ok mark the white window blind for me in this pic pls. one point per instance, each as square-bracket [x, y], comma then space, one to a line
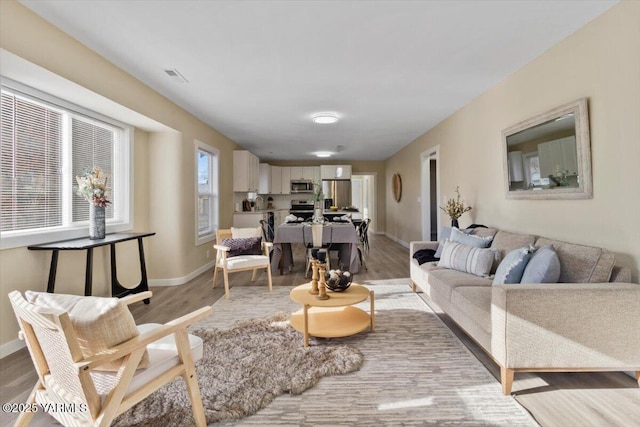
[91, 145]
[31, 165]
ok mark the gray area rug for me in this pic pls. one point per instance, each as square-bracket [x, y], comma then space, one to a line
[242, 370]
[415, 371]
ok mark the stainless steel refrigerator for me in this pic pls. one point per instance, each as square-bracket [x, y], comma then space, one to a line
[339, 191]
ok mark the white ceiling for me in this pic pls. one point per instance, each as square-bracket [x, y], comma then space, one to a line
[258, 70]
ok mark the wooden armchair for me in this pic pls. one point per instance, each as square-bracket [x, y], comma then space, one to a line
[232, 264]
[93, 397]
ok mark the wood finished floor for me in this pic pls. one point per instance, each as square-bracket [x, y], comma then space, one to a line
[558, 399]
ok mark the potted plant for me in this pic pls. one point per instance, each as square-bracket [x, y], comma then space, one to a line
[92, 186]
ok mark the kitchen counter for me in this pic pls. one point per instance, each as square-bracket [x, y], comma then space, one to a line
[261, 211]
[338, 212]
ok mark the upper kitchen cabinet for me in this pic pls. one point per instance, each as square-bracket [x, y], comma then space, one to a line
[305, 173]
[266, 183]
[276, 180]
[246, 171]
[286, 180]
[335, 172]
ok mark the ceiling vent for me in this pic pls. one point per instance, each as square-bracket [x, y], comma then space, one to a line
[176, 76]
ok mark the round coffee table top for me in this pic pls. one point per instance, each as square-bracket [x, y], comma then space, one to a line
[354, 294]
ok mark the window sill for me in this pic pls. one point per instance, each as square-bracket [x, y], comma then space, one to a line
[23, 240]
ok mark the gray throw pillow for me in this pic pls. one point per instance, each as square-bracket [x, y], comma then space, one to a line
[243, 246]
[445, 233]
[512, 267]
[470, 239]
[467, 259]
[544, 267]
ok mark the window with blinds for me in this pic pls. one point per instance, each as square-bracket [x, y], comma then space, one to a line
[43, 147]
[207, 192]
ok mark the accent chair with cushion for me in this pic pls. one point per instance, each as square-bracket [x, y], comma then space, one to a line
[90, 356]
[241, 249]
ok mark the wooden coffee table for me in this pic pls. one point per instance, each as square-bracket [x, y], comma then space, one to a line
[334, 317]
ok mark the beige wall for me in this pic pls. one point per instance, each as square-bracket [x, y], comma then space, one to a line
[164, 166]
[600, 61]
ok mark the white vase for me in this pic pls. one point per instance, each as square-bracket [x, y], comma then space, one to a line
[97, 219]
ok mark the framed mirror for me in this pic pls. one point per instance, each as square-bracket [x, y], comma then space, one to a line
[549, 155]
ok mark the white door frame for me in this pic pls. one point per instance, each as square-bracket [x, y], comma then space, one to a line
[374, 211]
[425, 190]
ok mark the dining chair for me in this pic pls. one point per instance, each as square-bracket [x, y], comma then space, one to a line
[232, 256]
[71, 378]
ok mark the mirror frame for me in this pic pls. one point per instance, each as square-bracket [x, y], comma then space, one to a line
[583, 151]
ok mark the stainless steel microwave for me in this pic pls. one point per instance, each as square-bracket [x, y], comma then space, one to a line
[301, 186]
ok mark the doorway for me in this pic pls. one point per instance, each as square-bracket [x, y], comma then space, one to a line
[430, 193]
[363, 195]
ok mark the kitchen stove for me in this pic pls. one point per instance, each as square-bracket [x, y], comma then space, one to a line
[302, 208]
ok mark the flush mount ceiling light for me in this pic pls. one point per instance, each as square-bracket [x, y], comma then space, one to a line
[323, 153]
[325, 118]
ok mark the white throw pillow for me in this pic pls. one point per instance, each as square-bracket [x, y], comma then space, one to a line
[99, 323]
[465, 258]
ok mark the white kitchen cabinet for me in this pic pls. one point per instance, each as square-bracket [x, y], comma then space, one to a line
[558, 154]
[311, 173]
[335, 172]
[276, 180]
[296, 173]
[286, 180]
[246, 171]
[265, 184]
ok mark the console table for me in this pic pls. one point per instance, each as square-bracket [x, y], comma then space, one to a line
[86, 244]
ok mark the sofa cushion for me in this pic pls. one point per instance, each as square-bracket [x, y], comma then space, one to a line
[579, 263]
[505, 241]
[475, 302]
[484, 232]
[543, 267]
[466, 258]
[444, 280]
[512, 267]
[99, 323]
[470, 239]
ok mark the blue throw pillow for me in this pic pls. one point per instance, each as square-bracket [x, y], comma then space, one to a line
[445, 233]
[459, 236]
[512, 267]
[544, 267]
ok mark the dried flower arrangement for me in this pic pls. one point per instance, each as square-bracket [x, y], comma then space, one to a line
[455, 207]
[92, 186]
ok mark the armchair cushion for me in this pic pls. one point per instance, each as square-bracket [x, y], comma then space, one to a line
[163, 355]
[99, 323]
[246, 232]
[243, 246]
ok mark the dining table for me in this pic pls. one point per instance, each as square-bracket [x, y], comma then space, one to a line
[341, 235]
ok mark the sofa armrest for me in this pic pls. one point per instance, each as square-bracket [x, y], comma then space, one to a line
[566, 325]
[416, 246]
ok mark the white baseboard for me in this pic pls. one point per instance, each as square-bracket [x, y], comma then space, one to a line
[11, 347]
[395, 239]
[177, 281]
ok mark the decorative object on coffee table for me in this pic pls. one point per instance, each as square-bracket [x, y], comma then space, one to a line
[338, 281]
[322, 286]
[455, 208]
[92, 186]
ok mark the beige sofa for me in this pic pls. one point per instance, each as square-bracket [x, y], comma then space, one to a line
[588, 322]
